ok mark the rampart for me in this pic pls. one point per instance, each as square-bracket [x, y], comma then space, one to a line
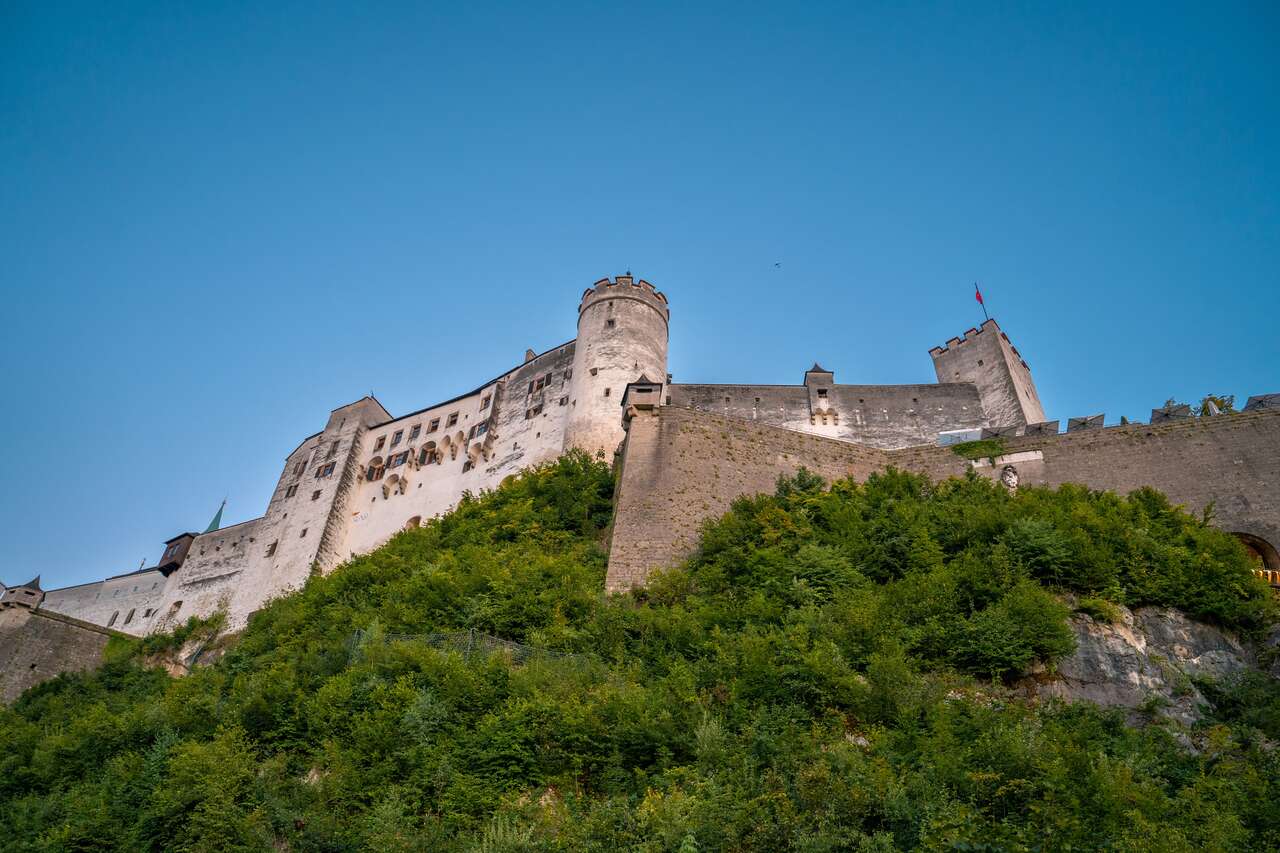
[681, 466]
[36, 645]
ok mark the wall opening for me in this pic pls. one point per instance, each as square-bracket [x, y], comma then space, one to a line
[1260, 550]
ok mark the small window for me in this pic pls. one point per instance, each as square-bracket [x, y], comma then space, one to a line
[471, 433]
[594, 371]
[333, 449]
[540, 384]
[377, 445]
[299, 467]
[484, 402]
[481, 429]
[822, 393]
[564, 401]
[315, 496]
[466, 466]
[415, 432]
[303, 534]
[146, 614]
[608, 390]
[979, 362]
[610, 323]
[395, 439]
[434, 425]
[129, 618]
[271, 549]
[453, 420]
[530, 386]
[114, 617]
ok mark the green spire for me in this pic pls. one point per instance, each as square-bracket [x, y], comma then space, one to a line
[217, 519]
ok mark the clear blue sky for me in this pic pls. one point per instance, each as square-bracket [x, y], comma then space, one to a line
[217, 223]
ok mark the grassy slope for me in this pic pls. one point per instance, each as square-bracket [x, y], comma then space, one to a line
[824, 675]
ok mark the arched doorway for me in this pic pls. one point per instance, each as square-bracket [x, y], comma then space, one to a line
[1264, 554]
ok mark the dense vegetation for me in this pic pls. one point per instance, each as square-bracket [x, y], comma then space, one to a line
[828, 673]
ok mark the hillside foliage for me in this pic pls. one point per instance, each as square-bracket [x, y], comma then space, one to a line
[832, 670]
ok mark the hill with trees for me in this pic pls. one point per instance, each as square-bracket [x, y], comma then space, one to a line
[832, 670]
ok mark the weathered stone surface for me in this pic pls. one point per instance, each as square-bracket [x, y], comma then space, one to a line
[36, 645]
[1149, 657]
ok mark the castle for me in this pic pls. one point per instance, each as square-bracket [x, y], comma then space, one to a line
[684, 451]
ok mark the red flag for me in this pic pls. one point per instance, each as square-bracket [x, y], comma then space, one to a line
[977, 294]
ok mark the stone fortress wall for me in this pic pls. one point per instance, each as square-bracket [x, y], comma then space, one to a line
[681, 467]
[368, 475]
[689, 449]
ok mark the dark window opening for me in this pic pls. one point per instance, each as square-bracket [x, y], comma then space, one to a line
[415, 432]
[315, 496]
[395, 439]
[303, 534]
[114, 617]
[434, 425]
[453, 420]
[607, 391]
[610, 323]
[377, 445]
[291, 491]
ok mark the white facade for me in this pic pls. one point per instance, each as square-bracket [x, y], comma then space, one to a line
[366, 476]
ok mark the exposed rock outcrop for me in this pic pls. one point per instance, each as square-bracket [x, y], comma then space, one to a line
[1147, 659]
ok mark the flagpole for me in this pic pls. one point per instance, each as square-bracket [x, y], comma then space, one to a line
[978, 293]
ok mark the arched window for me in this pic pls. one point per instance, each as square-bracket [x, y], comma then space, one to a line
[416, 521]
[375, 469]
[428, 453]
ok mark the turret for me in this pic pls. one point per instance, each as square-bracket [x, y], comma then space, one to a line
[986, 357]
[622, 336]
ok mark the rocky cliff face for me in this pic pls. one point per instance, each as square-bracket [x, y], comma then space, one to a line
[1146, 659]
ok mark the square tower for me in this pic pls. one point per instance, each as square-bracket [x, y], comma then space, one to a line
[986, 358]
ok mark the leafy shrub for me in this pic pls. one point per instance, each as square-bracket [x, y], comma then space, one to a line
[824, 673]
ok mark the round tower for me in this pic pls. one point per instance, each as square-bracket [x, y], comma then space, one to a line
[622, 336]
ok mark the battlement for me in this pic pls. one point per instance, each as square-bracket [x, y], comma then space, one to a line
[626, 287]
[973, 334]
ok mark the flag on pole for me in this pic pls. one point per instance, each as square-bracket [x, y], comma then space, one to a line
[977, 294]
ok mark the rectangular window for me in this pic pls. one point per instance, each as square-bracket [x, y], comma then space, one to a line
[291, 491]
[434, 425]
[399, 459]
[299, 467]
[564, 401]
[377, 445]
[325, 470]
[471, 433]
[610, 323]
[333, 449]
[453, 420]
[466, 466]
[415, 432]
[484, 402]
[315, 496]
[129, 618]
[530, 386]
[540, 384]
[481, 429]
[395, 439]
[606, 391]
[822, 393]
[303, 534]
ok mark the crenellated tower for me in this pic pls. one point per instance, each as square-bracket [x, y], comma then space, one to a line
[622, 335]
[986, 358]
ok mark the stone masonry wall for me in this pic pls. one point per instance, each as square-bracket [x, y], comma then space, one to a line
[681, 467]
[36, 645]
